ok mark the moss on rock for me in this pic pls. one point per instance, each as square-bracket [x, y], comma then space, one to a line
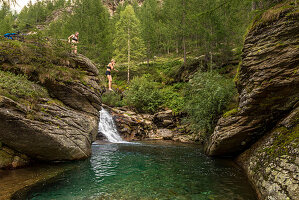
[230, 113]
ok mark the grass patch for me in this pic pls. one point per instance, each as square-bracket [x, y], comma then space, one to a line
[18, 87]
[40, 59]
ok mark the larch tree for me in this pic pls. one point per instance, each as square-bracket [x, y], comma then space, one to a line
[128, 44]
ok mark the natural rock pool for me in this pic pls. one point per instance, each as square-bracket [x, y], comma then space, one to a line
[149, 170]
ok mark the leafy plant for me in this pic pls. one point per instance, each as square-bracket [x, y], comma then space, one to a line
[208, 94]
[144, 95]
[172, 99]
[112, 99]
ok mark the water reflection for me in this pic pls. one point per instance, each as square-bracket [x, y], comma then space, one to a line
[104, 163]
[151, 171]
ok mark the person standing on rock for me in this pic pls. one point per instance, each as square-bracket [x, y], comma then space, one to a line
[74, 40]
[110, 67]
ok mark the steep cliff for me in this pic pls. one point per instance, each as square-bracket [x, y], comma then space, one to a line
[49, 101]
[267, 81]
[263, 130]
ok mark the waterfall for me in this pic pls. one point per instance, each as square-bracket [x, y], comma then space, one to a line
[107, 127]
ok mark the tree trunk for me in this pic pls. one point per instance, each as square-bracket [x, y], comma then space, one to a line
[148, 54]
[184, 39]
[129, 54]
[253, 5]
[211, 67]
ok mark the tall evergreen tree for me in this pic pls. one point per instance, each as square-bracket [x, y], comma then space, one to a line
[128, 43]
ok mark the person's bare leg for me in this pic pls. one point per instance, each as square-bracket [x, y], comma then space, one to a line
[110, 82]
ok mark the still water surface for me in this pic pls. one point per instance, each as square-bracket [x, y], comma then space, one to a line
[149, 171]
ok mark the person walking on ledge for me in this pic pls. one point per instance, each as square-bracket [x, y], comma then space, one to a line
[110, 67]
[74, 40]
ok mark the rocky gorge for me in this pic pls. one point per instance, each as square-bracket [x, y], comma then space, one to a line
[262, 132]
[50, 102]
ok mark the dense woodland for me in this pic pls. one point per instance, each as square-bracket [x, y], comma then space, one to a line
[158, 41]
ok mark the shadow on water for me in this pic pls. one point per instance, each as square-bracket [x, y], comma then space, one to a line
[149, 170]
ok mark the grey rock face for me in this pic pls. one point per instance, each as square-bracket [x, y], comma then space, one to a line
[57, 133]
[166, 134]
[268, 82]
[272, 164]
[58, 128]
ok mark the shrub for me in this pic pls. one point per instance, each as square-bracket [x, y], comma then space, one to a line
[208, 94]
[112, 99]
[143, 95]
[172, 99]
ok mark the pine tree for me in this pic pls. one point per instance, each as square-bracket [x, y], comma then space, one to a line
[129, 46]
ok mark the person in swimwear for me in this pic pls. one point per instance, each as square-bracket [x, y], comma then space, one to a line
[74, 40]
[110, 67]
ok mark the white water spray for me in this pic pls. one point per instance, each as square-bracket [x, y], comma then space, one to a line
[107, 127]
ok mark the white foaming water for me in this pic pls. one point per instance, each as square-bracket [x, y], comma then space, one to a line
[107, 127]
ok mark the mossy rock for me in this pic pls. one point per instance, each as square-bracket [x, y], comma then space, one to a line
[230, 113]
[287, 8]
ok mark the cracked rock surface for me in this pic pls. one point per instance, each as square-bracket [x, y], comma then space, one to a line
[272, 164]
[264, 132]
[267, 82]
[57, 127]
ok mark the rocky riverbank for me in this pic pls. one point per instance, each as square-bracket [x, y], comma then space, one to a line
[163, 125]
[263, 131]
[49, 103]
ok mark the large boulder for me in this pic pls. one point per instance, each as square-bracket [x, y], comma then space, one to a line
[272, 164]
[267, 81]
[59, 120]
[54, 133]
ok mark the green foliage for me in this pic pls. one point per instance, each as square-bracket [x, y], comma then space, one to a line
[18, 86]
[208, 94]
[143, 95]
[128, 43]
[6, 19]
[37, 13]
[112, 99]
[89, 17]
[38, 55]
[172, 99]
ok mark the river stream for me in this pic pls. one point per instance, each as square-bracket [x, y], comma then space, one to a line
[149, 170]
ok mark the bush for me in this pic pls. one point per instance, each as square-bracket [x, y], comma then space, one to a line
[143, 95]
[172, 99]
[208, 95]
[112, 99]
